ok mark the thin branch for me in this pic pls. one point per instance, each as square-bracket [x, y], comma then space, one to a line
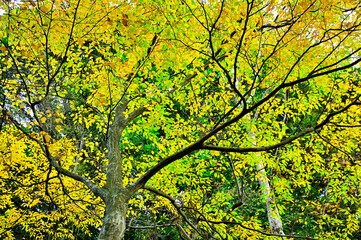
[173, 202]
[256, 230]
[63, 58]
[284, 142]
[153, 227]
[100, 192]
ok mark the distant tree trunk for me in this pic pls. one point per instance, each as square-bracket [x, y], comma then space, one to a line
[273, 215]
[274, 218]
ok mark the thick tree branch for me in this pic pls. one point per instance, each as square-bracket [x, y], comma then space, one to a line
[136, 113]
[95, 189]
[200, 143]
[168, 160]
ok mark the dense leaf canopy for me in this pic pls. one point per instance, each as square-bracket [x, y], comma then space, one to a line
[227, 119]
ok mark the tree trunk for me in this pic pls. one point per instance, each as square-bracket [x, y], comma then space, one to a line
[117, 197]
[114, 224]
[274, 218]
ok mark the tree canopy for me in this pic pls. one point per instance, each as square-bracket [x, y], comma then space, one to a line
[189, 119]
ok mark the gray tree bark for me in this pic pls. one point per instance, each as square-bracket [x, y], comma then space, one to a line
[117, 197]
[114, 222]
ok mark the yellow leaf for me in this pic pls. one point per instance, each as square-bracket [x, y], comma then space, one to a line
[22, 105]
[47, 138]
[112, 65]
[33, 134]
[58, 127]
[43, 119]
[23, 52]
[35, 46]
[80, 41]
[44, 9]
[103, 101]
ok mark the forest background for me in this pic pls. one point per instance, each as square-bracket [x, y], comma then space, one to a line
[230, 119]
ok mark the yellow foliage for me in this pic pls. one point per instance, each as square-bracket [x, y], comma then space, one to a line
[27, 181]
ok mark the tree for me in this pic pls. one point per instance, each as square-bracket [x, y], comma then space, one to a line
[189, 116]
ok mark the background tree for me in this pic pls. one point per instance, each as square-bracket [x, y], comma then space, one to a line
[197, 118]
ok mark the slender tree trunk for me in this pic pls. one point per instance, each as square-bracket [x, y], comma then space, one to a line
[273, 215]
[274, 218]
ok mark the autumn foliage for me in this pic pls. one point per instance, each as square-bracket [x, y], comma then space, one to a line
[180, 119]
